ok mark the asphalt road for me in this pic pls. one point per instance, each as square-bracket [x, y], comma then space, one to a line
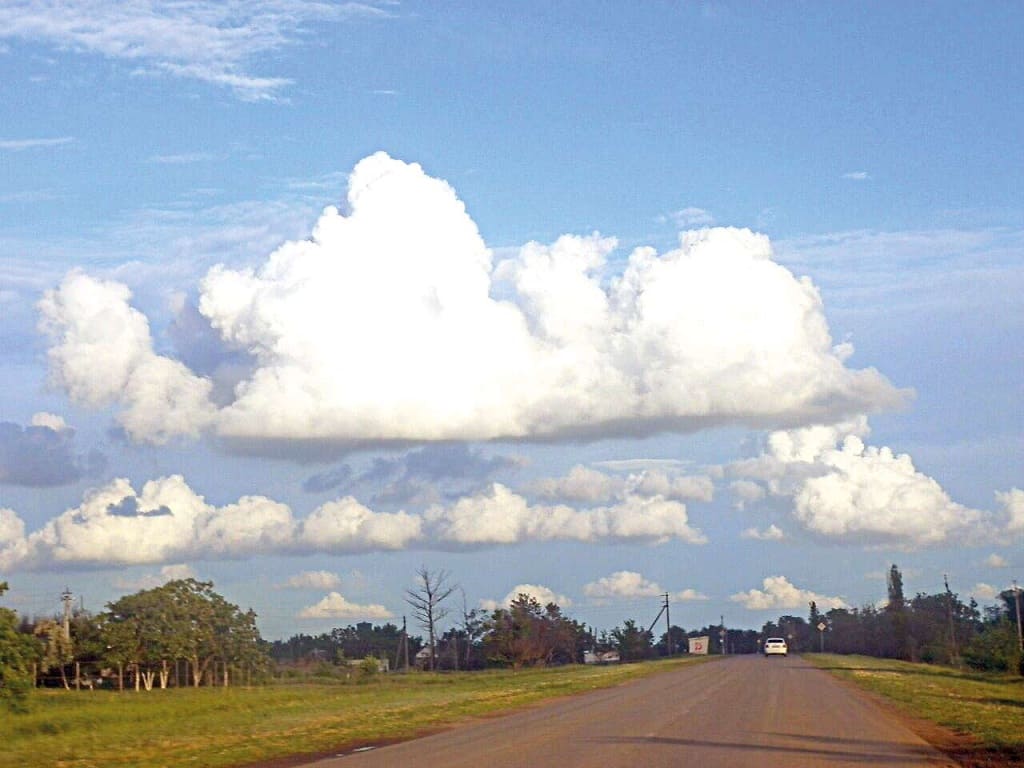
[734, 712]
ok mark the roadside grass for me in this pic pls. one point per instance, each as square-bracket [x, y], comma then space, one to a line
[984, 710]
[241, 726]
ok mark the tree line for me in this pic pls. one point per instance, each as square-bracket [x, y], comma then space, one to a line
[181, 633]
[938, 628]
[185, 634]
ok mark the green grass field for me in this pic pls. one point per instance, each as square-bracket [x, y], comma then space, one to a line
[241, 726]
[985, 710]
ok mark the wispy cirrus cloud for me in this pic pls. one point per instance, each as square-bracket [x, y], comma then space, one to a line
[688, 217]
[866, 271]
[20, 145]
[182, 158]
[212, 42]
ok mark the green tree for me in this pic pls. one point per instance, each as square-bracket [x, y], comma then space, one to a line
[514, 635]
[797, 633]
[527, 634]
[896, 609]
[994, 648]
[17, 651]
[184, 619]
[633, 643]
[57, 651]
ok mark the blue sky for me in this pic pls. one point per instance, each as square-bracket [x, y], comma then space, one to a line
[592, 300]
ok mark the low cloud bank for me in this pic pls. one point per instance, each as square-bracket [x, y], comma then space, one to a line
[168, 522]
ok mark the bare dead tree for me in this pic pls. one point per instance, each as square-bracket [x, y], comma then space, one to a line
[426, 599]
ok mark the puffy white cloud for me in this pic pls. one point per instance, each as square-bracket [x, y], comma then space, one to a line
[335, 606]
[153, 580]
[996, 561]
[503, 517]
[384, 326]
[876, 493]
[1012, 502]
[252, 525]
[167, 520]
[538, 592]
[589, 485]
[771, 533]
[629, 585]
[13, 546]
[621, 584]
[580, 484]
[688, 595]
[653, 482]
[313, 580]
[844, 489]
[982, 591]
[779, 593]
[347, 525]
[103, 352]
[12, 527]
[50, 421]
[747, 492]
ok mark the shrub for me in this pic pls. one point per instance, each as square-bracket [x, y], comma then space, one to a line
[994, 649]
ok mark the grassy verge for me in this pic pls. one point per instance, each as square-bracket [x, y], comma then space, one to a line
[240, 726]
[982, 713]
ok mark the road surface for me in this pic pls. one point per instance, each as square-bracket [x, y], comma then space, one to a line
[734, 712]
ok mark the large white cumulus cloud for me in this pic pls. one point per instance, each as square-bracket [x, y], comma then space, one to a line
[385, 325]
[102, 352]
[1013, 502]
[845, 489]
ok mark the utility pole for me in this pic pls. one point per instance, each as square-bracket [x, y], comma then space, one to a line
[404, 644]
[67, 598]
[1016, 598]
[668, 627]
[954, 654]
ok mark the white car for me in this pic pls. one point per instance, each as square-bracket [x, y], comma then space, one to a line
[776, 646]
